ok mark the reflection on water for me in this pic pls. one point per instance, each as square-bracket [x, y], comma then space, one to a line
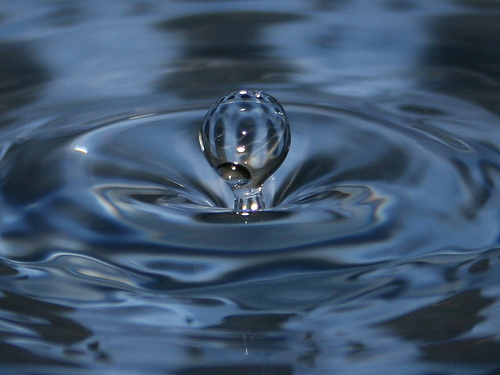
[222, 51]
[21, 76]
[466, 47]
[443, 323]
[28, 323]
[65, 13]
[379, 252]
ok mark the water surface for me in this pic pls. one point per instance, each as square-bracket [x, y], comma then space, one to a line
[379, 247]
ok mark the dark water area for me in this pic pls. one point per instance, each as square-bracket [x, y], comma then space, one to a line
[379, 248]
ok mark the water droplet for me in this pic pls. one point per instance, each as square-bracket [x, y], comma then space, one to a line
[245, 138]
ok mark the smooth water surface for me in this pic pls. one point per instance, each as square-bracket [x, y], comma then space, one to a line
[379, 247]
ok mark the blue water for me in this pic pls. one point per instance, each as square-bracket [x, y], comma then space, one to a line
[378, 251]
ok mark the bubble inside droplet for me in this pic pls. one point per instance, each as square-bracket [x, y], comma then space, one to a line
[234, 174]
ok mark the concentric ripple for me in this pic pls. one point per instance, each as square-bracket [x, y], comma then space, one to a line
[361, 184]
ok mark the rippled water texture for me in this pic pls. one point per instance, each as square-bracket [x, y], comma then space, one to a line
[378, 251]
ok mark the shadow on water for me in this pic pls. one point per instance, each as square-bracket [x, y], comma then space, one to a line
[223, 51]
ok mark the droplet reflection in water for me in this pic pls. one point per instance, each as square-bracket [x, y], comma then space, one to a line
[246, 137]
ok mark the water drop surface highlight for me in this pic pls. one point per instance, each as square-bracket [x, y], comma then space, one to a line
[245, 138]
